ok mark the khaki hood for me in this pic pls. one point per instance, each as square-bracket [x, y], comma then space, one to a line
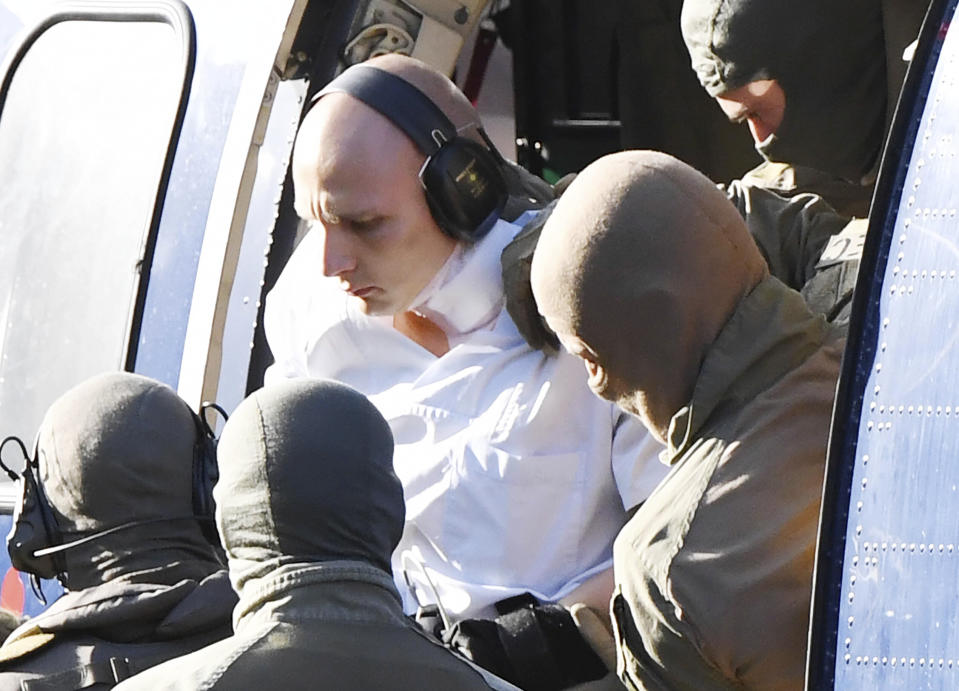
[641, 264]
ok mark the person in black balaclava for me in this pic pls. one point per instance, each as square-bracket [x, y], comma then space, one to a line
[116, 460]
[310, 510]
[816, 84]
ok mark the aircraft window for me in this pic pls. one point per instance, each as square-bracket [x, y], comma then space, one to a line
[884, 614]
[85, 127]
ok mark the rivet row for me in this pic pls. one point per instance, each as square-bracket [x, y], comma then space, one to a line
[894, 661]
[908, 547]
[918, 410]
[920, 274]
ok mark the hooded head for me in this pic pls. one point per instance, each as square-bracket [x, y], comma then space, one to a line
[826, 57]
[638, 268]
[119, 449]
[306, 475]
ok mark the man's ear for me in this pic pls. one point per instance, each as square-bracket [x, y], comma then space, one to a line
[597, 376]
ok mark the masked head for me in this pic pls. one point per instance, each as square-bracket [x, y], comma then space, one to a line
[306, 475]
[638, 268]
[809, 78]
[119, 449]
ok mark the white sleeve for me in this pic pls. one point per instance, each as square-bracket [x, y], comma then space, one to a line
[289, 362]
[636, 465]
[287, 315]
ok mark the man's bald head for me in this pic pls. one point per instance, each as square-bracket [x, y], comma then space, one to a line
[356, 176]
[436, 87]
[340, 125]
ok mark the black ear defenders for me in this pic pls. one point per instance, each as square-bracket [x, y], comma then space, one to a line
[35, 543]
[34, 525]
[206, 472]
[464, 185]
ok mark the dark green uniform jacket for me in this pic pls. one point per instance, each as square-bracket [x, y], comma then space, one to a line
[715, 569]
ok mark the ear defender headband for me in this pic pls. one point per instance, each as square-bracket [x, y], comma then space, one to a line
[464, 186]
[35, 543]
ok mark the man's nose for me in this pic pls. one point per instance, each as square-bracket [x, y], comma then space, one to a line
[337, 255]
[760, 129]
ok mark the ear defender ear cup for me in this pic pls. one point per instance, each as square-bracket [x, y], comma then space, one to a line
[464, 189]
[34, 528]
[206, 472]
[462, 179]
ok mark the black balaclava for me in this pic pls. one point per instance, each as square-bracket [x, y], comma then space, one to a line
[826, 55]
[306, 475]
[117, 449]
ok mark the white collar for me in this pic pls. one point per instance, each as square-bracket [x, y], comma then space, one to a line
[466, 294]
